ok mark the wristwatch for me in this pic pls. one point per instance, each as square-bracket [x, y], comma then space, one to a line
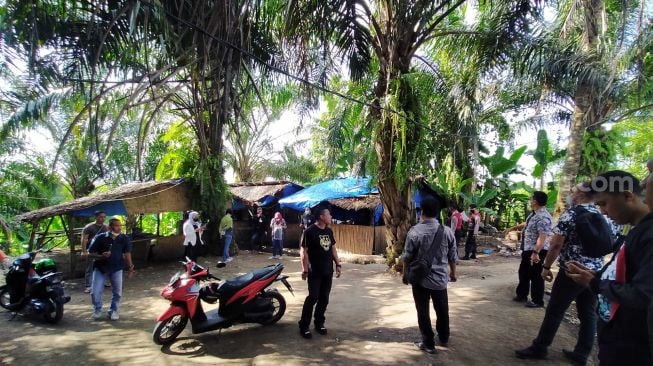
[547, 268]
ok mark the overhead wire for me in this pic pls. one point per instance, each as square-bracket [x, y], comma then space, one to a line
[306, 81]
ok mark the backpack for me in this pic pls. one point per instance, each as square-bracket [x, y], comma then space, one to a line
[593, 232]
[420, 267]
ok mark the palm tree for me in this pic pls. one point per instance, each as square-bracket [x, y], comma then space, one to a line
[195, 59]
[383, 39]
[590, 57]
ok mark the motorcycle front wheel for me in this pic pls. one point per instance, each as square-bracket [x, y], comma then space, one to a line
[5, 298]
[279, 305]
[55, 313]
[166, 331]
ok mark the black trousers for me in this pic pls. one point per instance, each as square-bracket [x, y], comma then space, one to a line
[319, 288]
[470, 245]
[564, 291]
[458, 234]
[256, 241]
[530, 276]
[422, 295]
[192, 251]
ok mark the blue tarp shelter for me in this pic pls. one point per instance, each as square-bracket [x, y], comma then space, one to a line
[329, 190]
[422, 190]
[264, 194]
[349, 199]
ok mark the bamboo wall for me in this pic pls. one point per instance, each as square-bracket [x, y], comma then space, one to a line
[380, 243]
[355, 239]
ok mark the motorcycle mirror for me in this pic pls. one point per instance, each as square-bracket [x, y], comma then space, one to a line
[221, 264]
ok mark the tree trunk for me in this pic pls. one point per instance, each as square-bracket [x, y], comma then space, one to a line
[586, 110]
[7, 232]
[574, 150]
[395, 190]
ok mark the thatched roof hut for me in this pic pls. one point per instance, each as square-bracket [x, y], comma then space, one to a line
[369, 202]
[262, 193]
[129, 199]
[133, 198]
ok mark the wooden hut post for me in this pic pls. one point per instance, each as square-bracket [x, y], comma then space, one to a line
[67, 223]
[39, 243]
[32, 235]
[158, 223]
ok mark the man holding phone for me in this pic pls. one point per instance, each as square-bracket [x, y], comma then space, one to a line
[567, 246]
[624, 285]
[110, 251]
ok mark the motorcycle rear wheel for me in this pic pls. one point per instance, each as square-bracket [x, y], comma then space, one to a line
[166, 331]
[279, 304]
[56, 312]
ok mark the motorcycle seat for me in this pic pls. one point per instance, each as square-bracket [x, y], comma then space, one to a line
[236, 283]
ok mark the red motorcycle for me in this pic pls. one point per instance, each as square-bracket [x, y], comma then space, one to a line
[243, 299]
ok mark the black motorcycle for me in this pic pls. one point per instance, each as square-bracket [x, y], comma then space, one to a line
[34, 288]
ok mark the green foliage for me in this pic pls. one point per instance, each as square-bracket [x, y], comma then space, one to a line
[25, 186]
[497, 165]
[342, 141]
[181, 155]
[636, 147]
[479, 198]
[447, 181]
[544, 154]
[169, 223]
[293, 167]
[600, 149]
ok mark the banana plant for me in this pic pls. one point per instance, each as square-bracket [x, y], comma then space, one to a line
[478, 198]
[448, 181]
[497, 165]
[545, 155]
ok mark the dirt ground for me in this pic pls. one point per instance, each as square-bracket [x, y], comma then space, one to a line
[371, 320]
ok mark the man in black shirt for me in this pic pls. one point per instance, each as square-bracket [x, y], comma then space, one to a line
[318, 254]
[259, 230]
[307, 219]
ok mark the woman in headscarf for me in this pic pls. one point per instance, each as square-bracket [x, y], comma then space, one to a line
[277, 226]
[192, 235]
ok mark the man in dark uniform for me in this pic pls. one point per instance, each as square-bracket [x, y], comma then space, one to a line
[318, 254]
[259, 230]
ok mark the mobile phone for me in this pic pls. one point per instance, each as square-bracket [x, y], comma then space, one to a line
[579, 265]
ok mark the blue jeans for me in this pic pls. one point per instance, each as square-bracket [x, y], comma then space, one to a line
[228, 236]
[98, 287]
[277, 247]
[564, 291]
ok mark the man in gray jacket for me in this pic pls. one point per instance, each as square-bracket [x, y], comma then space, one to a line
[434, 285]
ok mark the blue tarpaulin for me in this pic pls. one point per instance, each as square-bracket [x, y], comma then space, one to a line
[268, 200]
[111, 208]
[329, 190]
[423, 191]
[287, 191]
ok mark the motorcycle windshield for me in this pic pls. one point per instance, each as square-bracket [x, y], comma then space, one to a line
[175, 278]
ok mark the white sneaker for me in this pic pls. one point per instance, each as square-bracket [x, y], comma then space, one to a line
[97, 314]
[273, 257]
[229, 259]
[113, 315]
